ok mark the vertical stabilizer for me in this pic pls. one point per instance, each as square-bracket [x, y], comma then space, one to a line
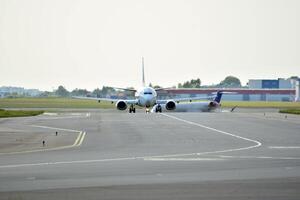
[218, 97]
[143, 72]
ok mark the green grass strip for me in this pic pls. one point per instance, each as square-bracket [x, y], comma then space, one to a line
[19, 113]
[52, 103]
[290, 111]
[261, 104]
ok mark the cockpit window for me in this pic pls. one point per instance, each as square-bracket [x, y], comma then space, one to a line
[147, 92]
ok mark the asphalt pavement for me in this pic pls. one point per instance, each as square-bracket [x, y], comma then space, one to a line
[240, 155]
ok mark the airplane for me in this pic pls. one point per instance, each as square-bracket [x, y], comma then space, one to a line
[146, 97]
[202, 106]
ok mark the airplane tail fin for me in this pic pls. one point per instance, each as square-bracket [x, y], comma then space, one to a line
[143, 79]
[218, 97]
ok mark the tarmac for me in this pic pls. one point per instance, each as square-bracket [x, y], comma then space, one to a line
[109, 154]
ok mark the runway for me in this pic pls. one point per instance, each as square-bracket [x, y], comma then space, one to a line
[248, 154]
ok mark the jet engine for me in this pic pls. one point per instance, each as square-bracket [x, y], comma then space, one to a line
[170, 105]
[213, 104]
[121, 105]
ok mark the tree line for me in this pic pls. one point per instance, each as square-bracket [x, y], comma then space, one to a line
[228, 82]
[61, 91]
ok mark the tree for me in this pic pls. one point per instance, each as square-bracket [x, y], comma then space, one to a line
[194, 83]
[97, 92]
[62, 92]
[79, 92]
[154, 86]
[230, 81]
[46, 94]
[128, 92]
[108, 90]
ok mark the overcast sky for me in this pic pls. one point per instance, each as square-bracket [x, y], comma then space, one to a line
[91, 43]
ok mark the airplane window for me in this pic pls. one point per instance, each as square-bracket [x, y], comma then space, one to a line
[147, 92]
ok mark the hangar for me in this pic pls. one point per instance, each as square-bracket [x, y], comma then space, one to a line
[257, 90]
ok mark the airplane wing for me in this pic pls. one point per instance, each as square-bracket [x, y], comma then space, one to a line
[158, 89]
[128, 101]
[184, 99]
[218, 94]
[125, 89]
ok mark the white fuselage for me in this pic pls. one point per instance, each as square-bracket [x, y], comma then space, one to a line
[146, 97]
[190, 107]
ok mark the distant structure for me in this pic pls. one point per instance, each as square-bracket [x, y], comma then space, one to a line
[257, 90]
[9, 90]
[290, 83]
[297, 88]
[279, 83]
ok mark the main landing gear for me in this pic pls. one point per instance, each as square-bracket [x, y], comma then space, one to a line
[158, 108]
[131, 109]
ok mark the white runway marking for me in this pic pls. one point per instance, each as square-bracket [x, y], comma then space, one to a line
[67, 117]
[284, 147]
[69, 162]
[54, 128]
[73, 116]
[145, 158]
[257, 143]
[108, 160]
[183, 159]
[50, 114]
[262, 157]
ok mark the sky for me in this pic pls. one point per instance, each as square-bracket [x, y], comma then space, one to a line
[91, 43]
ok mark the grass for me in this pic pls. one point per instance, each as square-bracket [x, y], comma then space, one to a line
[82, 103]
[261, 104]
[290, 111]
[19, 113]
[52, 103]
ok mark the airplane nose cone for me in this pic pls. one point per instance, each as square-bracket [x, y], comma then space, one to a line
[148, 103]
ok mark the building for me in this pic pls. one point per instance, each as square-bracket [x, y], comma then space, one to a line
[258, 90]
[279, 83]
[19, 91]
[297, 91]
